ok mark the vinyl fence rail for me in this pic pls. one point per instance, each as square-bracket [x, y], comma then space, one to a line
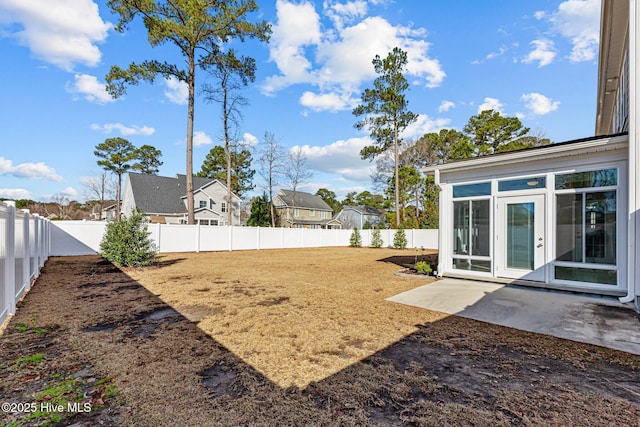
[24, 248]
[83, 238]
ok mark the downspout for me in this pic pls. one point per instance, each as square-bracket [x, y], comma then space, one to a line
[436, 180]
[633, 154]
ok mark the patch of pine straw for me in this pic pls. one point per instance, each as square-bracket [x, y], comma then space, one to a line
[296, 316]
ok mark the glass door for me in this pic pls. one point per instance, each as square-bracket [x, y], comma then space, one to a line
[520, 245]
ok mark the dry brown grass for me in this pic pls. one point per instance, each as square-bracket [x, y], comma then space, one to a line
[296, 316]
[295, 338]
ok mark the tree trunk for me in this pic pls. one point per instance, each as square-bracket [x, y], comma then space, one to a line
[191, 218]
[227, 151]
[397, 178]
[118, 196]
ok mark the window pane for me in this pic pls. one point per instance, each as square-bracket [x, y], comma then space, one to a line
[600, 228]
[522, 184]
[599, 178]
[480, 227]
[520, 236]
[461, 228]
[569, 227]
[588, 275]
[469, 190]
[472, 265]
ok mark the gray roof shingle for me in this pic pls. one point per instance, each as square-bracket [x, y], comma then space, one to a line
[161, 194]
[303, 200]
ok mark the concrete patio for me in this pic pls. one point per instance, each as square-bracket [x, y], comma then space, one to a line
[602, 321]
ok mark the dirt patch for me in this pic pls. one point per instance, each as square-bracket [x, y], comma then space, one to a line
[306, 338]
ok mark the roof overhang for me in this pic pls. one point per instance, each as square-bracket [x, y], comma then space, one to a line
[614, 30]
[570, 148]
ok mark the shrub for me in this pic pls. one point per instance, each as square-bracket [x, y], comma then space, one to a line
[400, 239]
[126, 242]
[376, 239]
[355, 240]
[422, 267]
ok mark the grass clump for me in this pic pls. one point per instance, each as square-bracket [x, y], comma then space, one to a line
[29, 360]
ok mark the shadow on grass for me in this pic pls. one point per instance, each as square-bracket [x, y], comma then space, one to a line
[454, 371]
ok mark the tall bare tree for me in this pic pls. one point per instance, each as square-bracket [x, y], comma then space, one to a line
[193, 26]
[272, 160]
[99, 188]
[232, 74]
[296, 170]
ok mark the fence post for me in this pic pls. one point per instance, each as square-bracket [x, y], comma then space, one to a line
[158, 234]
[198, 237]
[258, 238]
[10, 260]
[26, 255]
[230, 227]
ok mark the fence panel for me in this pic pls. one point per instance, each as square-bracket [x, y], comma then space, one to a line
[24, 247]
[83, 238]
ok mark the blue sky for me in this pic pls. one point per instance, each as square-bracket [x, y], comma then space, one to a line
[533, 59]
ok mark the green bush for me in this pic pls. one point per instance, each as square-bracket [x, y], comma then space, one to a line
[376, 239]
[355, 240]
[400, 239]
[126, 243]
[422, 267]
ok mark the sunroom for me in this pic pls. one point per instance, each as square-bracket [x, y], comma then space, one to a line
[551, 216]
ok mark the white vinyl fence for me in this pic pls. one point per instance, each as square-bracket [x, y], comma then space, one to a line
[83, 238]
[24, 248]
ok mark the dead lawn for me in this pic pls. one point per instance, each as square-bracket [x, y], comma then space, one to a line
[295, 316]
[291, 337]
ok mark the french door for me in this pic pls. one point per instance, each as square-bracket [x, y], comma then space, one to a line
[520, 244]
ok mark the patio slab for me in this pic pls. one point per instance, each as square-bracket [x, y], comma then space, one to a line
[602, 321]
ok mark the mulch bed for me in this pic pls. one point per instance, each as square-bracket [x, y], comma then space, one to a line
[104, 340]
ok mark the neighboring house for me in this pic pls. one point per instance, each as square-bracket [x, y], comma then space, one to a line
[109, 211]
[563, 216]
[164, 200]
[305, 211]
[357, 216]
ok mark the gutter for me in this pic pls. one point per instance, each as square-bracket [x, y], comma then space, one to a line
[436, 180]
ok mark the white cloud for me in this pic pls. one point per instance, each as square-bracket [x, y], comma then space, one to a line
[15, 193]
[201, 138]
[248, 140]
[124, 130]
[539, 104]
[90, 88]
[337, 59]
[340, 157]
[327, 101]
[28, 170]
[341, 13]
[491, 104]
[579, 20]
[177, 91]
[446, 106]
[540, 14]
[69, 192]
[63, 33]
[543, 52]
[424, 124]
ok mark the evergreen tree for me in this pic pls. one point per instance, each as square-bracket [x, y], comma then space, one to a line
[355, 240]
[126, 242]
[260, 212]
